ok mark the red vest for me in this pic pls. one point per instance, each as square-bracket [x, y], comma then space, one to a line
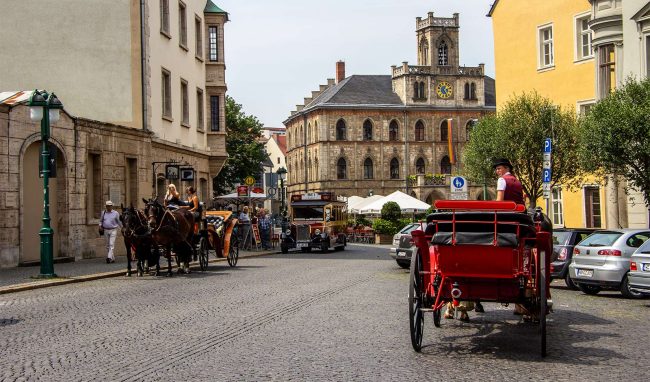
[514, 191]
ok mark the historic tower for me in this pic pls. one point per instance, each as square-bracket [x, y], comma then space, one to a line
[437, 40]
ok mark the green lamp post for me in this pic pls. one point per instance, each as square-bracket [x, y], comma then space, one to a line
[282, 173]
[45, 108]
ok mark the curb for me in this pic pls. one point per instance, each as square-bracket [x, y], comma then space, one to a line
[97, 276]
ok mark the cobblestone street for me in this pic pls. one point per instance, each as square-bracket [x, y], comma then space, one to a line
[339, 316]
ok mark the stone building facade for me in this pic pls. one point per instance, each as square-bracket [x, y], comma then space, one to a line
[381, 133]
[159, 98]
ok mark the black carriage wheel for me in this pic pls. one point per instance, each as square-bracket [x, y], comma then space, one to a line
[416, 318]
[543, 300]
[233, 253]
[436, 317]
[203, 253]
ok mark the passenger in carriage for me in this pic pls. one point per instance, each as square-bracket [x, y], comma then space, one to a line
[193, 203]
[172, 197]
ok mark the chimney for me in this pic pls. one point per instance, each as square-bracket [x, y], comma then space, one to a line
[340, 71]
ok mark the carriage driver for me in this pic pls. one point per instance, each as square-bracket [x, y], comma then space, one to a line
[508, 186]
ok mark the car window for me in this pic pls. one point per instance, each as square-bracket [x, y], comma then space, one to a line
[580, 236]
[636, 240]
[410, 228]
[561, 237]
[601, 239]
[645, 248]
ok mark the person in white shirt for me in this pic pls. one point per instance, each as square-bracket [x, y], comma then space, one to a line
[109, 222]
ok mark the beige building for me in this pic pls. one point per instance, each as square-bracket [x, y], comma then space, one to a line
[102, 59]
[381, 133]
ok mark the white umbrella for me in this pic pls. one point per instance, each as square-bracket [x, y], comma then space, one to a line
[353, 201]
[366, 201]
[407, 204]
[236, 199]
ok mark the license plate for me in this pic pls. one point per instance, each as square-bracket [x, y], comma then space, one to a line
[302, 245]
[402, 254]
[585, 273]
[646, 267]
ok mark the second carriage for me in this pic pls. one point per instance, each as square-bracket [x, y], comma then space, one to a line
[219, 234]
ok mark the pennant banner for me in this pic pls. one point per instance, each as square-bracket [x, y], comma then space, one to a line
[450, 142]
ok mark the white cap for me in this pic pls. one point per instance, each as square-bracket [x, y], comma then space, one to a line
[109, 203]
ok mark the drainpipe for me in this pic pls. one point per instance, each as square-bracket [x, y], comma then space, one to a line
[143, 62]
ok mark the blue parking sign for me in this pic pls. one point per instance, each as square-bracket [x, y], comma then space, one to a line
[546, 175]
[548, 145]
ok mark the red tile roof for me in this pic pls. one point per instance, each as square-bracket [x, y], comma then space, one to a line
[281, 140]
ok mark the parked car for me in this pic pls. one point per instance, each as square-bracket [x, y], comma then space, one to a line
[639, 276]
[602, 260]
[402, 246]
[564, 240]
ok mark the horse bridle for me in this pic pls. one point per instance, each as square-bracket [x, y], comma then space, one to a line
[141, 220]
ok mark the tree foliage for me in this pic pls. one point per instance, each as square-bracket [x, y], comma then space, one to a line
[615, 136]
[391, 211]
[245, 152]
[517, 132]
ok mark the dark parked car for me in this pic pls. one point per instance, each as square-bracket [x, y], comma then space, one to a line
[402, 246]
[564, 240]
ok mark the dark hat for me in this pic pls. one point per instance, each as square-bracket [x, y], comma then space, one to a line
[501, 162]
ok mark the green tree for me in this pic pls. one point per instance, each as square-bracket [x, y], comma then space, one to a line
[517, 132]
[391, 211]
[245, 152]
[615, 136]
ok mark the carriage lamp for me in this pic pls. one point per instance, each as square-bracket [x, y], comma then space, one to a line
[45, 108]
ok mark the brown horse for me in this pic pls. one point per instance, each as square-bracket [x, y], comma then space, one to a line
[137, 235]
[172, 229]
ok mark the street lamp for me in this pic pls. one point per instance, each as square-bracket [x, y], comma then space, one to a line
[45, 108]
[282, 173]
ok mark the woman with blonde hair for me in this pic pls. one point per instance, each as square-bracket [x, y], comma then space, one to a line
[172, 197]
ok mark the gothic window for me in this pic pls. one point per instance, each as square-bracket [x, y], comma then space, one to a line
[416, 90]
[419, 166]
[341, 169]
[394, 168]
[424, 51]
[300, 137]
[422, 93]
[466, 95]
[367, 130]
[393, 131]
[444, 131]
[445, 165]
[472, 91]
[469, 127]
[367, 169]
[308, 132]
[442, 54]
[419, 131]
[341, 130]
[309, 174]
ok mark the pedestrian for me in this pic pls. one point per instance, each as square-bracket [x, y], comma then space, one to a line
[109, 223]
[245, 221]
[264, 224]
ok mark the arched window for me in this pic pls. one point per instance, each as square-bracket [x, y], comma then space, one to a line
[472, 92]
[309, 133]
[416, 90]
[309, 174]
[419, 131]
[419, 166]
[393, 131]
[442, 54]
[445, 165]
[300, 137]
[424, 51]
[367, 169]
[341, 169]
[394, 168]
[341, 130]
[422, 93]
[466, 95]
[469, 127]
[315, 134]
[444, 132]
[367, 130]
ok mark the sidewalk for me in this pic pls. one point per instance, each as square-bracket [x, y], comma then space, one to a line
[24, 278]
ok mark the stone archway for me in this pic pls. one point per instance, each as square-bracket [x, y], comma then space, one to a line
[433, 196]
[32, 204]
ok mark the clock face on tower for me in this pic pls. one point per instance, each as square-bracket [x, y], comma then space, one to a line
[444, 90]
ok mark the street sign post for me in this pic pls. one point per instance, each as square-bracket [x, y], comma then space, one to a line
[249, 181]
[458, 188]
[547, 175]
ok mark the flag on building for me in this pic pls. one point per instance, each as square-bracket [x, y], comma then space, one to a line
[450, 142]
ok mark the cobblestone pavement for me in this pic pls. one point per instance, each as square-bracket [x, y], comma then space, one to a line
[340, 316]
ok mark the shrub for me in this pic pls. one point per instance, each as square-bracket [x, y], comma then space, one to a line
[385, 227]
[391, 212]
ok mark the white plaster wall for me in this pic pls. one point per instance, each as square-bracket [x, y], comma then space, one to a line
[81, 50]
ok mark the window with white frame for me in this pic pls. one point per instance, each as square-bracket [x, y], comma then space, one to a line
[583, 38]
[558, 212]
[546, 46]
[606, 70]
[584, 107]
[166, 94]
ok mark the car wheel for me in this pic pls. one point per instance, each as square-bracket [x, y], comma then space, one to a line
[589, 289]
[569, 283]
[625, 289]
[404, 264]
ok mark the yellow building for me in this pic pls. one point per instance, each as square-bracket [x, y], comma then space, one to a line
[546, 46]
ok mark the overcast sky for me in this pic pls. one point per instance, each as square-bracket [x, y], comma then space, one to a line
[278, 51]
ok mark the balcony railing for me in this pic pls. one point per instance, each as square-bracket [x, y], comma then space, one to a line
[405, 68]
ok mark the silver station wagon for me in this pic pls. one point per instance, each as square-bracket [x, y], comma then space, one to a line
[639, 276]
[602, 260]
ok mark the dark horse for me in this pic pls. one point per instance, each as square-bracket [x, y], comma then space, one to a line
[172, 228]
[137, 235]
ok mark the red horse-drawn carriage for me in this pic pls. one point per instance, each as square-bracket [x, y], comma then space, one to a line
[480, 250]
